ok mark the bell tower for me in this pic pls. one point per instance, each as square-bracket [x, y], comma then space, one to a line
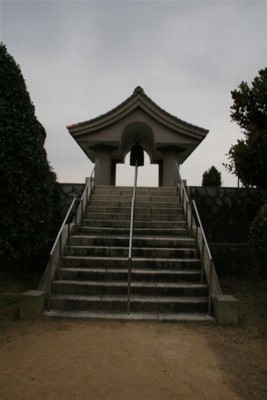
[164, 137]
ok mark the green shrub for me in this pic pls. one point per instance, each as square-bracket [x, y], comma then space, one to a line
[258, 239]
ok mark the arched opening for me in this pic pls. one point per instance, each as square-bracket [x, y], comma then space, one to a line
[136, 130]
[147, 175]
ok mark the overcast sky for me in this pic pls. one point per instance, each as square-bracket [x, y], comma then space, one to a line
[82, 58]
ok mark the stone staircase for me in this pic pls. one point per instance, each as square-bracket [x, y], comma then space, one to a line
[166, 269]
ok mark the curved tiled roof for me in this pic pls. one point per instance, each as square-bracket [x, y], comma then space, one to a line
[138, 91]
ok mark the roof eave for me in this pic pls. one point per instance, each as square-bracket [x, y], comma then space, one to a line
[138, 98]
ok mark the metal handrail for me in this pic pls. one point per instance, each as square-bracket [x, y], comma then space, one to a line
[131, 240]
[90, 184]
[202, 230]
[58, 241]
[57, 249]
[204, 244]
[184, 200]
[196, 225]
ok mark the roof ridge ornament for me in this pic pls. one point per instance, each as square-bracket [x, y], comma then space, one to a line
[138, 89]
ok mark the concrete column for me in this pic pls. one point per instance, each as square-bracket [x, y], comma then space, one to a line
[160, 177]
[226, 309]
[113, 172]
[170, 156]
[103, 155]
[32, 304]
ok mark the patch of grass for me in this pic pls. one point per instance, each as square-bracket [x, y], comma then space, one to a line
[243, 348]
[252, 296]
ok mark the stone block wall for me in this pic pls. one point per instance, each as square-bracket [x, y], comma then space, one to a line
[226, 215]
[68, 192]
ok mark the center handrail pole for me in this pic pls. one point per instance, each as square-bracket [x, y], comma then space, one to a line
[131, 240]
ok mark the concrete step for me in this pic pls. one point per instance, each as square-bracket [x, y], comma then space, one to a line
[99, 288]
[136, 252]
[122, 262]
[145, 316]
[164, 191]
[126, 216]
[129, 193]
[145, 198]
[138, 303]
[122, 203]
[141, 201]
[139, 211]
[138, 241]
[97, 230]
[106, 223]
[137, 274]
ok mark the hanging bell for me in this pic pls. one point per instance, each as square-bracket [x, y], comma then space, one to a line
[137, 155]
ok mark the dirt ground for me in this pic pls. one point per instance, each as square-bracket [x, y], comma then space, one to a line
[109, 360]
[88, 359]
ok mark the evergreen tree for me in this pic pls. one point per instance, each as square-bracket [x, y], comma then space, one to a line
[30, 198]
[212, 177]
[258, 239]
[248, 158]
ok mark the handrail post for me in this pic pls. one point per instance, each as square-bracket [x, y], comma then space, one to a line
[202, 271]
[49, 283]
[191, 221]
[68, 240]
[131, 241]
[60, 256]
[210, 287]
[87, 196]
[81, 222]
[202, 258]
[129, 284]
[75, 221]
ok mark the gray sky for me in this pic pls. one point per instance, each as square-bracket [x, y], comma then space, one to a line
[82, 58]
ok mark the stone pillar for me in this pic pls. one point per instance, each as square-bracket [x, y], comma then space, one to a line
[170, 156]
[113, 172]
[32, 304]
[226, 309]
[160, 177]
[103, 155]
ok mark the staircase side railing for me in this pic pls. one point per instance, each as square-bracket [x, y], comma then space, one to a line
[86, 196]
[131, 240]
[196, 229]
[72, 221]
